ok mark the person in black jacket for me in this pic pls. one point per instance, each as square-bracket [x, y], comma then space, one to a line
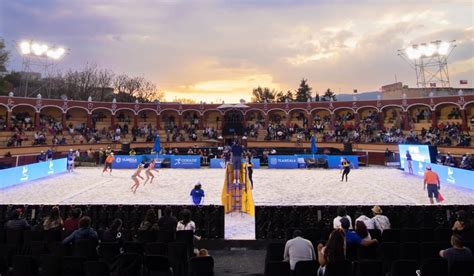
[167, 222]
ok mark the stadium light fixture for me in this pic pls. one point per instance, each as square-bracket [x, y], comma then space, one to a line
[38, 49]
[430, 62]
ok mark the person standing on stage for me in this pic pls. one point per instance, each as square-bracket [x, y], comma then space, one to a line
[108, 163]
[149, 175]
[345, 168]
[250, 170]
[431, 179]
[70, 161]
[237, 151]
[410, 168]
[197, 194]
[135, 180]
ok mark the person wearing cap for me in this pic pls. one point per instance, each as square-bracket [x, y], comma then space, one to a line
[108, 163]
[380, 221]
[298, 249]
[136, 175]
[352, 237]
[197, 194]
[431, 179]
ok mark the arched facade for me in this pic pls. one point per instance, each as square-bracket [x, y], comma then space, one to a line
[102, 118]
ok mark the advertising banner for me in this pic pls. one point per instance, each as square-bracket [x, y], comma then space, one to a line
[186, 161]
[282, 162]
[448, 175]
[13, 176]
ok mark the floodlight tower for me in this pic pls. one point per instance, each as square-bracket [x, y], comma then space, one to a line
[430, 62]
[38, 54]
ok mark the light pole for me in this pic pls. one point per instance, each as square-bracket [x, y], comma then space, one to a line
[36, 53]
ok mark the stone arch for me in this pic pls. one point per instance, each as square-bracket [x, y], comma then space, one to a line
[255, 117]
[3, 116]
[320, 115]
[23, 115]
[169, 118]
[101, 118]
[76, 117]
[297, 116]
[392, 115]
[191, 117]
[147, 117]
[419, 116]
[213, 118]
[277, 116]
[344, 115]
[124, 116]
[50, 115]
[469, 109]
[448, 112]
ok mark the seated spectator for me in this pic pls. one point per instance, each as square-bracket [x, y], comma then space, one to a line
[85, 231]
[203, 253]
[54, 221]
[113, 234]
[15, 222]
[381, 222]
[168, 222]
[369, 223]
[457, 253]
[361, 230]
[462, 225]
[352, 237]
[149, 223]
[186, 223]
[333, 252]
[72, 222]
[298, 249]
[341, 213]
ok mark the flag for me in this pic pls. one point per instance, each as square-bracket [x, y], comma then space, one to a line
[432, 84]
[157, 146]
[463, 82]
[314, 148]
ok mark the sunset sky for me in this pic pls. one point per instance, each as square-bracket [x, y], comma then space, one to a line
[220, 50]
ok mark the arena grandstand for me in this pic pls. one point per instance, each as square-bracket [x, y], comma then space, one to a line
[171, 138]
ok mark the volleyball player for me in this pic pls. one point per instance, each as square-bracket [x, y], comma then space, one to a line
[70, 161]
[345, 168]
[148, 172]
[108, 163]
[136, 175]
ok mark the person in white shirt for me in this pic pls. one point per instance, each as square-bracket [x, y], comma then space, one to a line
[341, 213]
[381, 222]
[367, 221]
[298, 249]
[186, 223]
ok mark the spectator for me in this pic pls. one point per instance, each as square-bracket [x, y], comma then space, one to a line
[15, 222]
[85, 231]
[462, 225]
[72, 222]
[41, 157]
[352, 237]
[341, 213]
[54, 221]
[457, 253]
[333, 252]
[113, 234]
[203, 253]
[168, 222]
[369, 223]
[149, 223]
[381, 222]
[186, 223]
[361, 230]
[298, 249]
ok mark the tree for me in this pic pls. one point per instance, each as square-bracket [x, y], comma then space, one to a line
[328, 95]
[304, 92]
[4, 55]
[104, 83]
[281, 98]
[129, 89]
[184, 100]
[259, 95]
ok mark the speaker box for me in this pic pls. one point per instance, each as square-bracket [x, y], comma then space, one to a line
[126, 147]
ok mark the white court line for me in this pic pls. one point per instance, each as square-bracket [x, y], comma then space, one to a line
[68, 197]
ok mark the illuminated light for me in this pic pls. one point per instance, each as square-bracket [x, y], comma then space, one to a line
[39, 49]
[55, 53]
[413, 53]
[443, 48]
[430, 50]
[25, 48]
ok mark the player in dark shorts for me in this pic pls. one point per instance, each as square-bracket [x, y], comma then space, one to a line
[346, 168]
[108, 163]
[237, 151]
[409, 163]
